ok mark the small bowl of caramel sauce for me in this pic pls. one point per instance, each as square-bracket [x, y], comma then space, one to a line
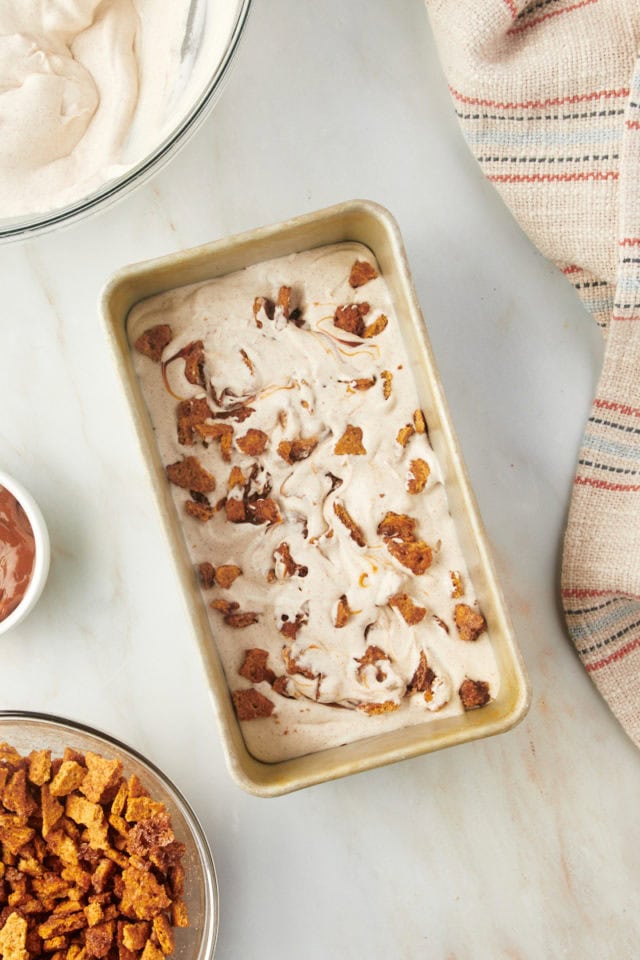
[24, 552]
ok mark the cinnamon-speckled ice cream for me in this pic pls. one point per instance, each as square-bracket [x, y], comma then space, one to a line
[313, 506]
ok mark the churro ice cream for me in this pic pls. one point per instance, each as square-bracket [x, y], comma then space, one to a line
[313, 506]
[88, 88]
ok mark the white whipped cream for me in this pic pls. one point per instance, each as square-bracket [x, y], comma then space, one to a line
[297, 379]
[89, 87]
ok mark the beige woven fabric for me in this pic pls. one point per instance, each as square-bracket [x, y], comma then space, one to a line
[548, 95]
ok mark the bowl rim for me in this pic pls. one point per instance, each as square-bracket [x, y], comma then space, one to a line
[16, 228]
[210, 939]
[42, 558]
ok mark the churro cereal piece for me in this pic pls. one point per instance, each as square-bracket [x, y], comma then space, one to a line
[222, 432]
[373, 657]
[16, 796]
[251, 704]
[263, 510]
[299, 449]
[206, 574]
[232, 615]
[135, 935]
[253, 442]
[457, 585]
[375, 328]
[199, 511]
[164, 934]
[152, 342]
[102, 780]
[470, 622]
[376, 709]
[254, 666]
[343, 612]
[191, 475]
[419, 471]
[142, 895]
[262, 306]
[363, 383]
[397, 525]
[13, 938]
[284, 564]
[193, 355]
[39, 766]
[416, 555]
[350, 318]
[411, 612]
[419, 422]
[404, 434]
[362, 272]
[67, 779]
[98, 939]
[350, 442]
[226, 574]
[474, 693]
[423, 676]
[345, 517]
[236, 478]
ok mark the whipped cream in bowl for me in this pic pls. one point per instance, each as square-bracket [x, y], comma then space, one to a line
[95, 95]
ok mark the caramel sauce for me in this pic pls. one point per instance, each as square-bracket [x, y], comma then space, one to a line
[17, 553]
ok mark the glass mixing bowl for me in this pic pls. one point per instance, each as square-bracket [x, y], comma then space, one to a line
[212, 27]
[34, 731]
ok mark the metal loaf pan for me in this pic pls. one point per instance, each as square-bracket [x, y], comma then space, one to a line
[368, 223]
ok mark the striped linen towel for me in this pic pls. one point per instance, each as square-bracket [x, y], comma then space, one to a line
[548, 96]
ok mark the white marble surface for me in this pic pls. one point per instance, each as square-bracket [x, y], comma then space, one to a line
[524, 846]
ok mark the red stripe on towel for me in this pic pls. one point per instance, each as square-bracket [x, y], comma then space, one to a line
[618, 655]
[581, 592]
[551, 102]
[619, 407]
[552, 177]
[606, 485]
